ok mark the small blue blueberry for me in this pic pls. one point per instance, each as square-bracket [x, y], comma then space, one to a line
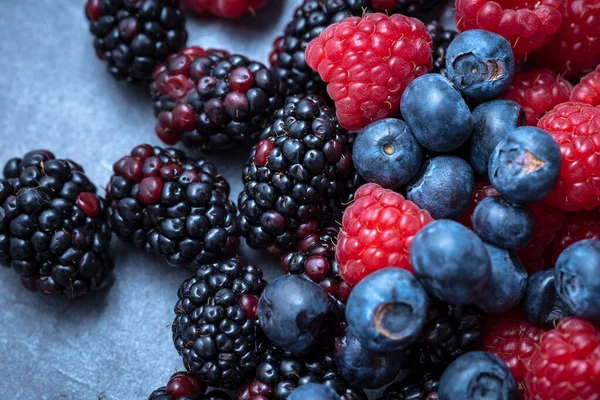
[508, 283]
[314, 391]
[478, 375]
[436, 113]
[480, 63]
[493, 120]
[387, 153]
[504, 224]
[525, 165]
[541, 304]
[577, 278]
[363, 367]
[444, 187]
[451, 262]
[387, 310]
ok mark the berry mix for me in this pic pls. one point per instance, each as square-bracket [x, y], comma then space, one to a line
[432, 196]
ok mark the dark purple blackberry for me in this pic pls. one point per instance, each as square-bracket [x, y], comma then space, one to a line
[215, 328]
[172, 206]
[416, 386]
[315, 259]
[186, 386]
[309, 20]
[407, 7]
[210, 99]
[441, 40]
[280, 373]
[299, 167]
[134, 36]
[53, 229]
[450, 331]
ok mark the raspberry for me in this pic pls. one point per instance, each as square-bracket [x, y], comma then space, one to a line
[514, 341]
[548, 221]
[575, 48]
[538, 91]
[377, 231]
[566, 365]
[368, 62]
[577, 226]
[226, 8]
[483, 190]
[588, 89]
[526, 24]
[576, 129]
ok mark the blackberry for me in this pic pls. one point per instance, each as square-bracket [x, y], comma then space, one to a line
[309, 20]
[134, 36]
[450, 331]
[441, 40]
[215, 328]
[293, 174]
[315, 259]
[186, 386]
[406, 7]
[210, 99]
[280, 373]
[417, 386]
[53, 229]
[173, 206]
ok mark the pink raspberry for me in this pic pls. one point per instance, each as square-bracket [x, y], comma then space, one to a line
[538, 91]
[576, 129]
[588, 89]
[226, 8]
[368, 62]
[526, 24]
[575, 48]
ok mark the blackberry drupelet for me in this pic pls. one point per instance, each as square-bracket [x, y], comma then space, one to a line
[441, 40]
[315, 259]
[172, 206]
[309, 20]
[209, 99]
[53, 229]
[280, 373]
[134, 36]
[449, 332]
[416, 386]
[215, 328]
[186, 386]
[299, 167]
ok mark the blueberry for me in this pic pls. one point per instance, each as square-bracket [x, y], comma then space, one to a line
[577, 278]
[493, 120]
[314, 391]
[480, 63]
[508, 283]
[444, 187]
[436, 113]
[541, 304]
[504, 224]
[295, 313]
[478, 375]
[387, 153]
[525, 165]
[363, 367]
[387, 310]
[451, 262]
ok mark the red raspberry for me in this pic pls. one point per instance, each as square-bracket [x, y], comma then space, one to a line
[588, 89]
[576, 129]
[548, 221]
[226, 8]
[577, 226]
[514, 341]
[575, 48]
[368, 62]
[538, 91]
[566, 365]
[483, 190]
[378, 229]
[526, 24]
